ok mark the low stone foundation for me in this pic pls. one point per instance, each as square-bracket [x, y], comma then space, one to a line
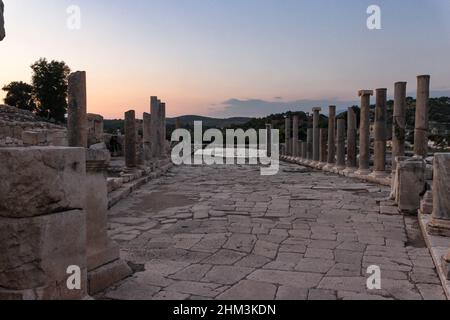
[22, 128]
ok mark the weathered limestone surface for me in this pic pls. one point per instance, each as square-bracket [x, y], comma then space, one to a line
[95, 129]
[295, 122]
[77, 110]
[440, 223]
[364, 133]
[42, 225]
[260, 237]
[163, 143]
[380, 132]
[411, 184]
[20, 128]
[446, 264]
[269, 139]
[426, 205]
[287, 133]
[399, 122]
[309, 144]
[304, 145]
[103, 258]
[422, 109]
[147, 140]
[332, 135]
[316, 134]
[156, 133]
[2, 21]
[323, 145]
[351, 141]
[44, 180]
[130, 139]
[340, 151]
[36, 253]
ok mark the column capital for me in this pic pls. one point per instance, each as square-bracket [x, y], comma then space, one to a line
[317, 109]
[424, 76]
[362, 93]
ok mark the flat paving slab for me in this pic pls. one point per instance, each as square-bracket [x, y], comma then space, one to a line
[226, 232]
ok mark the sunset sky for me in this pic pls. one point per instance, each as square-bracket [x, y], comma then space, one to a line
[230, 57]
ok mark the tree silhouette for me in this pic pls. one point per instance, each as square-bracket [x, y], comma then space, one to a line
[50, 88]
[20, 95]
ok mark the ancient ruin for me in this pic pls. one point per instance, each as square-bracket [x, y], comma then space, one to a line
[310, 190]
[54, 211]
[231, 244]
[408, 177]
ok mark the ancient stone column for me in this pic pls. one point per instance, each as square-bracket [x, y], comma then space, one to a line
[163, 129]
[399, 123]
[332, 136]
[309, 151]
[295, 122]
[440, 223]
[103, 256]
[287, 132]
[316, 134]
[422, 109]
[156, 133]
[269, 139]
[340, 150]
[380, 133]
[130, 139]
[77, 110]
[352, 163]
[304, 150]
[323, 145]
[2, 21]
[364, 133]
[42, 222]
[146, 138]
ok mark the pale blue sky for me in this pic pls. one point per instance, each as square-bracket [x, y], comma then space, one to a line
[230, 57]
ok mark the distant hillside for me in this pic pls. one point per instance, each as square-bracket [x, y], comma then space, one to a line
[208, 122]
[111, 126]
[439, 117]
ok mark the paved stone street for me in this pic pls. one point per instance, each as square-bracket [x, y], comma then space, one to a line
[227, 232]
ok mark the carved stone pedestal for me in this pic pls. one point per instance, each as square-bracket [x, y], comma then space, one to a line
[440, 222]
[103, 257]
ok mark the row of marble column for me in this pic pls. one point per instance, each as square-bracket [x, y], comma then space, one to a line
[327, 147]
[154, 134]
[154, 124]
[329, 150]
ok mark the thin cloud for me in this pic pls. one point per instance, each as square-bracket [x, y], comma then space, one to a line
[260, 108]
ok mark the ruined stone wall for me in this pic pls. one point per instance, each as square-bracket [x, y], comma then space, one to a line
[23, 128]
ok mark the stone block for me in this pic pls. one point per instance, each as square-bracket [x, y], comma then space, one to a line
[41, 180]
[107, 275]
[30, 138]
[440, 222]
[446, 265]
[36, 253]
[411, 184]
